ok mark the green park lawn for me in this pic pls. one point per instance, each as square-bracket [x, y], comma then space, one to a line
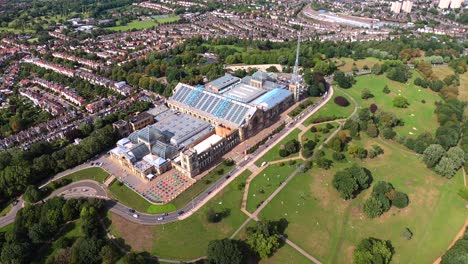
[418, 116]
[189, 238]
[286, 254]
[346, 64]
[16, 31]
[273, 153]
[168, 19]
[134, 24]
[220, 47]
[93, 173]
[328, 227]
[266, 182]
[332, 109]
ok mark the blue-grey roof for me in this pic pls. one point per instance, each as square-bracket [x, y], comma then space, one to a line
[243, 92]
[224, 81]
[212, 104]
[272, 98]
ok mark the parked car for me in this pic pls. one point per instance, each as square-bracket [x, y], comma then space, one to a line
[160, 218]
[131, 210]
[181, 212]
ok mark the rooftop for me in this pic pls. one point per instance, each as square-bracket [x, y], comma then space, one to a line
[206, 144]
[224, 81]
[244, 93]
[272, 98]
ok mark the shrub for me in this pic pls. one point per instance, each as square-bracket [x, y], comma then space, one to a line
[283, 153]
[423, 101]
[400, 102]
[313, 129]
[371, 154]
[388, 133]
[329, 126]
[373, 250]
[386, 90]
[338, 156]
[407, 234]
[373, 108]
[366, 94]
[373, 207]
[228, 162]
[341, 101]
[401, 200]
[325, 130]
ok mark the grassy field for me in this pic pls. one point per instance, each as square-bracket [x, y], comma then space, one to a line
[273, 153]
[418, 117]
[93, 173]
[220, 47]
[266, 182]
[189, 238]
[201, 185]
[286, 254]
[164, 20]
[332, 109]
[463, 89]
[130, 198]
[135, 24]
[347, 63]
[328, 227]
[16, 31]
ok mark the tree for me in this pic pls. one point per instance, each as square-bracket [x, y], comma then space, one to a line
[373, 207]
[32, 194]
[343, 80]
[109, 254]
[400, 102]
[86, 251]
[372, 130]
[225, 251]
[388, 133]
[350, 181]
[386, 90]
[458, 253]
[373, 250]
[401, 200]
[366, 94]
[133, 258]
[324, 163]
[38, 233]
[264, 238]
[377, 69]
[446, 167]
[212, 216]
[341, 101]
[373, 108]
[433, 154]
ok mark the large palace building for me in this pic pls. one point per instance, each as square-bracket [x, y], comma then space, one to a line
[203, 123]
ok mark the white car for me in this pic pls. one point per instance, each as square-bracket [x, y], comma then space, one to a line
[160, 218]
[135, 216]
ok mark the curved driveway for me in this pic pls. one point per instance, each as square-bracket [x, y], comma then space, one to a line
[89, 188]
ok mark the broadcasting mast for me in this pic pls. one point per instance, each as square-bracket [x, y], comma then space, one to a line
[296, 85]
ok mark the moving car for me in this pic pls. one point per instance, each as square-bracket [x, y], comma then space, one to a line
[135, 215]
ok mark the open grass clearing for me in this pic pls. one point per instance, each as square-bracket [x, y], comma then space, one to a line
[189, 238]
[463, 89]
[286, 254]
[16, 31]
[166, 19]
[134, 24]
[221, 47]
[346, 64]
[418, 117]
[266, 182]
[332, 109]
[273, 153]
[328, 227]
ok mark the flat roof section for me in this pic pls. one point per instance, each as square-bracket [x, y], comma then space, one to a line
[272, 98]
[224, 81]
[244, 93]
[207, 143]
